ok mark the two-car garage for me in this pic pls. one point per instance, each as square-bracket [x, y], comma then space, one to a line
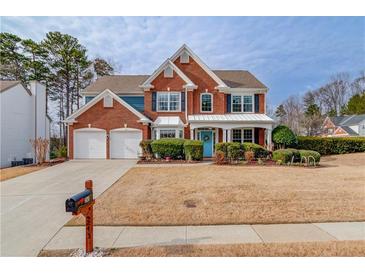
[92, 143]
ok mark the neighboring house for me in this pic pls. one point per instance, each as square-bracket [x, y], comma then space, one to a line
[344, 126]
[183, 98]
[23, 117]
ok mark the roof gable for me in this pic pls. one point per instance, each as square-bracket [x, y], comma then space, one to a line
[148, 83]
[185, 49]
[8, 84]
[84, 108]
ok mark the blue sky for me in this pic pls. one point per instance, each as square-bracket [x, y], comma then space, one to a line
[289, 54]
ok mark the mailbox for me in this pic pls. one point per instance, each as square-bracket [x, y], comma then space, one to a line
[82, 203]
[78, 200]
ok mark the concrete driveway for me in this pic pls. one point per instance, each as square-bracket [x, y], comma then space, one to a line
[33, 206]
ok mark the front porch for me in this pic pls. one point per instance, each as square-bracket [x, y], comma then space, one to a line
[212, 129]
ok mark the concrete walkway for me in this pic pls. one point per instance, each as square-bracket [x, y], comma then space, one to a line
[132, 236]
[32, 206]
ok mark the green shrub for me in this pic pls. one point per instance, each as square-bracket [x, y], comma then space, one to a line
[234, 151]
[295, 154]
[60, 152]
[223, 147]
[259, 151]
[193, 150]
[283, 137]
[282, 155]
[146, 148]
[169, 147]
[307, 153]
[332, 145]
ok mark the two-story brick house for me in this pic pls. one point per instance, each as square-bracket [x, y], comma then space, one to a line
[183, 98]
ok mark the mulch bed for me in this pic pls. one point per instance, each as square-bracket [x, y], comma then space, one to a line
[268, 163]
[163, 161]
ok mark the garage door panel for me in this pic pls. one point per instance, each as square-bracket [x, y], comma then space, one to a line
[90, 144]
[125, 144]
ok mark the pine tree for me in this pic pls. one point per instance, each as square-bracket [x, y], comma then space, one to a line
[102, 67]
[11, 58]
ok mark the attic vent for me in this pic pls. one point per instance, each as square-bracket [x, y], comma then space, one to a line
[168, 72]
[108, 101]
[184, 58]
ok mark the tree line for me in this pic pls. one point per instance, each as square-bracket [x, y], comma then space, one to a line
[59, 61]
[339, 96]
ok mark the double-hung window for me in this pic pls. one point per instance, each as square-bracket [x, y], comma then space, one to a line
[244, 135]
[242, 103]
[168, 101]
[206, 102]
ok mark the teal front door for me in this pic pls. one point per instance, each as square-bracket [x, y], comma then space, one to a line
[207, 138]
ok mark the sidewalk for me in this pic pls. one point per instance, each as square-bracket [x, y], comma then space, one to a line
[131, 236]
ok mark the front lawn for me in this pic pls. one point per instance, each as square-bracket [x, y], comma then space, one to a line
[12, 172]
[335, 248]
[194, 195]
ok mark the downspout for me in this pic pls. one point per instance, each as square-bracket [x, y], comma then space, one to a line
[35, 122]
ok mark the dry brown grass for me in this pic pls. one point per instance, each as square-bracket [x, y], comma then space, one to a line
[236, 195]
[316, 249]
[12, 172]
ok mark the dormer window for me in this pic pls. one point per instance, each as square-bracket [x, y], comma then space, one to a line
[108, 101]
[184, 58]
[168, 72]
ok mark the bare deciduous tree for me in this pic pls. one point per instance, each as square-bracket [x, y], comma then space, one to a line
[294, 113]
[334, 95]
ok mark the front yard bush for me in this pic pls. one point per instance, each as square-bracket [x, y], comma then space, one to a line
[286, 155]
[234, 151]
[193, 150]
[332, 145]
[283, 137]
[146, 148]
[223, 147]
[308, 153]
[282, 155]
[259, 151]
[169, 147]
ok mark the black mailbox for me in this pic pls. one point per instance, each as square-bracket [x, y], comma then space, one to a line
[75, 202]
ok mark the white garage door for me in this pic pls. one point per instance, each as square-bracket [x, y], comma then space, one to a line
[90, 143]
[124, 143]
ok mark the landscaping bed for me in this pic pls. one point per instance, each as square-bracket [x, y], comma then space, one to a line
[311, 249]
[164, 161]
[212, 194]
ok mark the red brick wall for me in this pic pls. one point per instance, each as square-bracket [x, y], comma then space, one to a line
[106, 118]
[204, 82]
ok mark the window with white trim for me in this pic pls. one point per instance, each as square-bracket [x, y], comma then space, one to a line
[242, 135]
[159, 133]
[206, 102]
[168, 101]
[248, 135]
[242, 103]
[237, 135]
[236, 103]
[167, 133]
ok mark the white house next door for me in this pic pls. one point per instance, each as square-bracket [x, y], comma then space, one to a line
[124, 143]
[90, 143]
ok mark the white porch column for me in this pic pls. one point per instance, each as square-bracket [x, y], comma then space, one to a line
[229, 135]
[191, 134]
[269, 144]
[224, 135]
[157, 134]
